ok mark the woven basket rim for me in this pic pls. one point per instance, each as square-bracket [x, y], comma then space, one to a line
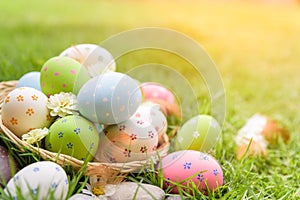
[93, 168]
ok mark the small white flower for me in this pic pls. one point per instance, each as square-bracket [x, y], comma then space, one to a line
[196, 134]
[63, 104]
[180, 139]
[98, 192]
[35, 135]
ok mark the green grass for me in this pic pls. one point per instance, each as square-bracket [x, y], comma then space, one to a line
[256, 49]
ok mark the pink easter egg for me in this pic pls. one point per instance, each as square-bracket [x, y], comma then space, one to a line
[159, 94]
[157, 91]
[202, 169]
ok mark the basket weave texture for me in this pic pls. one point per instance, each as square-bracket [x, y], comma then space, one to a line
[107, 173]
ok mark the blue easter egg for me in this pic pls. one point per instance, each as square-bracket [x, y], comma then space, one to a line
[31, 79]
[109, 98]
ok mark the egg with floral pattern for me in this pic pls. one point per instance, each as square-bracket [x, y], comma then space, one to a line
[135, 139]
[94, 58]
[62, 74]
[39, 180]
[25, 109]
[151, 113]
[109, 98]
[189, 167]
[74, 136]
[199, 133]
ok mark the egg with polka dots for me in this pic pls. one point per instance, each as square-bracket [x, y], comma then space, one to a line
[62, 74]
[109, 98]
[94, 58]
[74, 136]
[38, 181]
[25, 109]
[135, 139]
[158, 93]
[189, 167]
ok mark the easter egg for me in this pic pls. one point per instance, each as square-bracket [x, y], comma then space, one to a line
[199, 133]
[31, 79]
[109, 98]
[74, 136]
[40, 180]
[133, 140]
[93, 57]
[62, 74]
[157, 91]
[151, 113]
[164, 97]
[187, 166]
[8, 166]
[25, 109]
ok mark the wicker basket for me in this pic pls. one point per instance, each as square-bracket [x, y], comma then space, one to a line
[106, 173]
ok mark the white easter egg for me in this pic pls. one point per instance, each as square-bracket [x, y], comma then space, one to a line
[39, 180]
[25, 109]
[109, 98]
[95, 58]
[151, 113]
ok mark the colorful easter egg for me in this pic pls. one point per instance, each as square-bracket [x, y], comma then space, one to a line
[157, 93]
[8, 166]
[40, 180]
[199, 133]
[135, 139]
[151, 113]
[187, 166]
[25, 109]
[74, 136]
[31, 79]
[93, 57]
[109, 98]
[62, 74]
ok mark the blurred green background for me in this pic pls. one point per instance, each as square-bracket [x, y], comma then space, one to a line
[255, 46]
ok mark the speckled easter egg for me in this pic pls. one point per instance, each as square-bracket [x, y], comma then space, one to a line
[151, 113]
[201, 168]
[31, 79]
[62, 74]
[109, 98]
[8, 166]
[94, 58]
[164, 97]
[39, 180]
[157, 91]
[199, 133]
[74, 136]
[25, 109]
[135, 139]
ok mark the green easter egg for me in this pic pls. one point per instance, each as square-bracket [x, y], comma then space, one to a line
[74, 136]
[199, 133]
[62, 74]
